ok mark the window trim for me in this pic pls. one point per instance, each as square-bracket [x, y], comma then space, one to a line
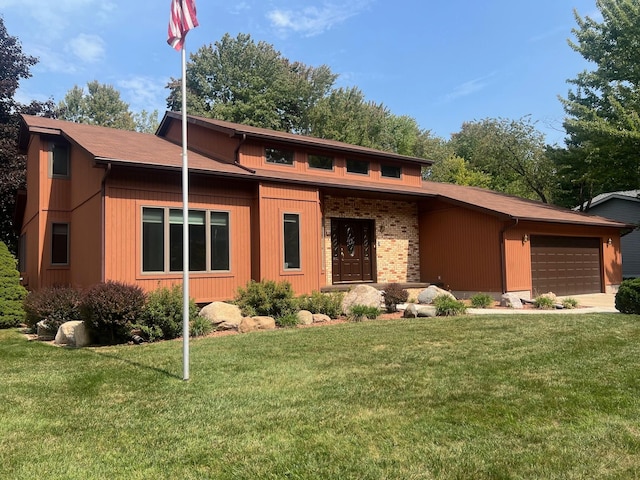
[67, 252]
[280, 164]
[284, 265]
[52, 156]
[166, 259]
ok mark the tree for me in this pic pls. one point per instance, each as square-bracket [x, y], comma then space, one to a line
[241, 81]
[146, 122]
[456, 170]
[14, 66]
[99, 105]
[11, 292]
[603, 123]
[511, 152]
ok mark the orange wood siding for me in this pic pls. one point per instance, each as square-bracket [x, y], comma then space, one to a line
[275, 201]
[200, 139]
[460, 248]
[31, 219]
[128, 194]
[518, 253]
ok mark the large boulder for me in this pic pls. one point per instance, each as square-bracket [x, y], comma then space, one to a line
[253, 324]
[511, 300]
[321, 318]
[44, 331]
[362, 295]
[427, 295]
[223, 316]
[414, 311]
[73, 333]
[305, 317]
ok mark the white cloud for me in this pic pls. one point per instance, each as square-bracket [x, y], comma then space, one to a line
[468, 88]
[312, 21]
[144, 92]
[237, 8]
[88, 48]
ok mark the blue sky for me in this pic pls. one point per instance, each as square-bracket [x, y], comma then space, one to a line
[440, 62]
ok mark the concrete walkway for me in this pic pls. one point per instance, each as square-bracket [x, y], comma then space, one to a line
[591, 303]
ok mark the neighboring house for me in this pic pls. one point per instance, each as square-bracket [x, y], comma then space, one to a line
[623, 206]
[104, 204]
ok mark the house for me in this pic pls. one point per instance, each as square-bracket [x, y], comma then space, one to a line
[623, 206]
[104, 204]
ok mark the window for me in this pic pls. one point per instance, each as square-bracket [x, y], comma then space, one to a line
[320, 161]
[59, 243]
[291, 240]
[162, 246]
[390, 171]
[278, 156]
[358, 166]
[59, 160]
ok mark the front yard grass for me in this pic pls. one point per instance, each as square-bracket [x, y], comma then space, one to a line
[536, 396]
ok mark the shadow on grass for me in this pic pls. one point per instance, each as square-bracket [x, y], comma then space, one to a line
[138, 364]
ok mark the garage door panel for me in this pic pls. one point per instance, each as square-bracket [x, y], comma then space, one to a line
[565, 265]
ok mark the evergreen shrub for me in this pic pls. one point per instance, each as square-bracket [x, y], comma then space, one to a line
[12, 293]
[481, 300]
[628, 296]
[329, 304]
[163, 310]
[266, 298]
[448, 307]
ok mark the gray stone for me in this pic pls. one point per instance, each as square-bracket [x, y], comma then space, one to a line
[225, 316]
[510, 300]
[73, 333]
[427, 295]
[305, 317]
[414, 311]
[45, 332]
[321, 318]
[410, 311]
[253, 324]
[362, 295]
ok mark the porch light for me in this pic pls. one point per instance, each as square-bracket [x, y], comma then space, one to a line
[609, 242]
[525, 238]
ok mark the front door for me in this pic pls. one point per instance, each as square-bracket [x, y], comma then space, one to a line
[352, 250]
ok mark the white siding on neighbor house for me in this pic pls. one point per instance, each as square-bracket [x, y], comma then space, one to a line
[628, 211]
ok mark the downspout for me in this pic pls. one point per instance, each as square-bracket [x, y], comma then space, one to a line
[103, 191]
[503, 254]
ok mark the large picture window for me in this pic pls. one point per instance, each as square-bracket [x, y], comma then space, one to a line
[209, 240]
[59, 243]
[291, 241]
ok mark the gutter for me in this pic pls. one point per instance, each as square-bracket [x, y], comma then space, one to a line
[503, 255]
[236, 155]
[103, 191]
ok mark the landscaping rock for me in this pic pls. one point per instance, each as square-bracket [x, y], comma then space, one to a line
[427, 295]
[362, 295]
[253, 324]
[414, 311]
[73, 333]
[321, 318]
[224, 316]
[511, 300]
[305, 317]
[45, 333]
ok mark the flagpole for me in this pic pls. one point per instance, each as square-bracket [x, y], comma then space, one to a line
[185, 225]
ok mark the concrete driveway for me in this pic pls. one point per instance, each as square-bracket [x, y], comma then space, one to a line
[591, 303]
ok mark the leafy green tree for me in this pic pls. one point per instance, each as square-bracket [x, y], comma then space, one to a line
[14, 66]
[603, 108]
[511, 152]
[457, 170]
[241, 81]
[100, 104]
[146, 122]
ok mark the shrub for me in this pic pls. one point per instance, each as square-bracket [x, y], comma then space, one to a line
[569, 303]
[288, 320]
[164, 310]
[448, 307]
[200, 326]
[393, 295]
[628, 296]
[481, 300]
[266, 298]
[110, 310]
[326, 303]
[358, 313]
[12, 293]
[544, 302]
[56, 305]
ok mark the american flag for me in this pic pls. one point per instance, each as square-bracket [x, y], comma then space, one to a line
[183, 18]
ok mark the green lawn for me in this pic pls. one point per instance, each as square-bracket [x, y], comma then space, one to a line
[536, 396]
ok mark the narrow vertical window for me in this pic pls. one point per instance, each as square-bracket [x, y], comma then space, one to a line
[60, 244]
[291, 240]
[197, 241]
[59, 161]
[175, 240]
[219, 240]
[152, 240]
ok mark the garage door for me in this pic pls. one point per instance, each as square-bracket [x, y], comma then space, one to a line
[565, 265]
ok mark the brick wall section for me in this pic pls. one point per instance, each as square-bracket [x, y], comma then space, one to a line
[396, 226]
